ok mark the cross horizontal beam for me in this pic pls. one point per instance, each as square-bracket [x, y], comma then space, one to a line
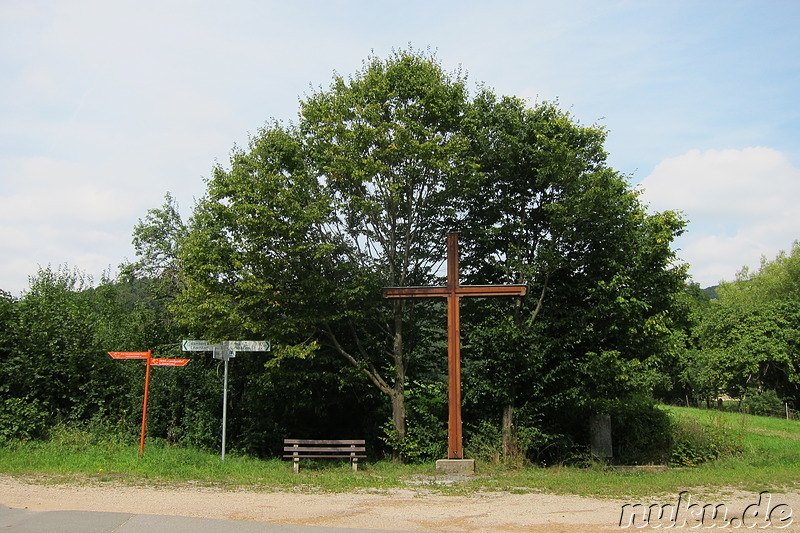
[476, 291]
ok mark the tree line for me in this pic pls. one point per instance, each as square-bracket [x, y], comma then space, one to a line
[294, 240]
[743, 341]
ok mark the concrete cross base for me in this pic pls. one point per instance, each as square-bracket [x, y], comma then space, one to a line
[455, 466]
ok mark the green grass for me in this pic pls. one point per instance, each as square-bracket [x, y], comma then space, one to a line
[770, 460]
[178, 466]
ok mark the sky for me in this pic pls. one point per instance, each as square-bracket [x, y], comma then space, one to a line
[107, 106]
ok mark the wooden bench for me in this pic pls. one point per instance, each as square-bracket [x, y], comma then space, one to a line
[296, 449]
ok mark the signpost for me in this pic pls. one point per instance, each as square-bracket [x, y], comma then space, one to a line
[151, 361]
[225, 351]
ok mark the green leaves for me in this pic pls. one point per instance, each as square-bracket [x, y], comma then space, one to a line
[386, 142]
[255, 254]
[750, 337]
[545, 209]
[295, 238]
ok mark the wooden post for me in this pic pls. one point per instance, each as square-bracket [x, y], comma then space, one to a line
[600, 436]
[454, 437]
[454, 291]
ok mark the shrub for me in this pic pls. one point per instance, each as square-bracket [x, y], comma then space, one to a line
[641, 433]
[426, 432]
[484, 442]
[420, 443]
[94, 432]
[21, 419]
[695, 443]
[766, 403]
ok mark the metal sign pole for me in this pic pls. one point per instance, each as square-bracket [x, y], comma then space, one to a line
[225, 350]
[224, 407]
[144, 404]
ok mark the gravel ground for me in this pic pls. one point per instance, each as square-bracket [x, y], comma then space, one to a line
[407, 510]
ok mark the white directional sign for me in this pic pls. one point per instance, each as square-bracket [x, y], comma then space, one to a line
[234, 346]
[248, 346]
[222, 352]
[197, 346]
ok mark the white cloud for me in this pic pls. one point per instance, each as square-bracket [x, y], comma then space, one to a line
[46, 189]
[55, 212]
[741, 205]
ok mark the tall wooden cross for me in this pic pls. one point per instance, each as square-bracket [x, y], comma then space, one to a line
[454, 291]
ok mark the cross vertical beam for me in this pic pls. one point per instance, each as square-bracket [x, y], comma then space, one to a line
[455, 448]
[454, 291]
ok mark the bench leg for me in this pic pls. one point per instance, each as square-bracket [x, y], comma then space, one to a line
[354, 462]
[296, 465]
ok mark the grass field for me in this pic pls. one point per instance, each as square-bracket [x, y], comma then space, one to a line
[769, 460]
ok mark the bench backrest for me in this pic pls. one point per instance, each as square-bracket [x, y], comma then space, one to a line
[307, 447]
[318, 442]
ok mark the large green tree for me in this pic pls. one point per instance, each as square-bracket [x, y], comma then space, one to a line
[386, 143]
[545, 209]
[295, 239]
[748, 337]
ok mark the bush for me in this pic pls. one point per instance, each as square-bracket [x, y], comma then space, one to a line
[419, 443]
[94, 432]
[484, 442]
[766, 403]
[695, 443]
[641, 433]
[21, 419]
[426, 432]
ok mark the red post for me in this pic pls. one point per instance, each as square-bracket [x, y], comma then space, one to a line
[150, 361]
[144, 406]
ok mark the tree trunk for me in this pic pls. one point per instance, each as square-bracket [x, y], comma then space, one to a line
[509, 433]
[398, 388]
[398, 419]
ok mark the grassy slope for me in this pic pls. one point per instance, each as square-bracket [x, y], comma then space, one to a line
[771, 461]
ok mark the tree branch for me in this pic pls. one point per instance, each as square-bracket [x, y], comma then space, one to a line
[370, 370]
[540, 301]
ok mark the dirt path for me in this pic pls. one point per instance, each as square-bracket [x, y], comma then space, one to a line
[404, 510]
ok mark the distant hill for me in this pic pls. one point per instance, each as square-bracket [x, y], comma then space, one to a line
[711, 292]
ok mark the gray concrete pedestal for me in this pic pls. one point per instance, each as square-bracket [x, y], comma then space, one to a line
[455, 466]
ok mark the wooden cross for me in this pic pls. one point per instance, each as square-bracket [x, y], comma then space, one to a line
[454, 291]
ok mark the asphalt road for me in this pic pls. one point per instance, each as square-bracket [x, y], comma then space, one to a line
[24, 521]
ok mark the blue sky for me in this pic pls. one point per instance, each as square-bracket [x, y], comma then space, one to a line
[106, 106]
